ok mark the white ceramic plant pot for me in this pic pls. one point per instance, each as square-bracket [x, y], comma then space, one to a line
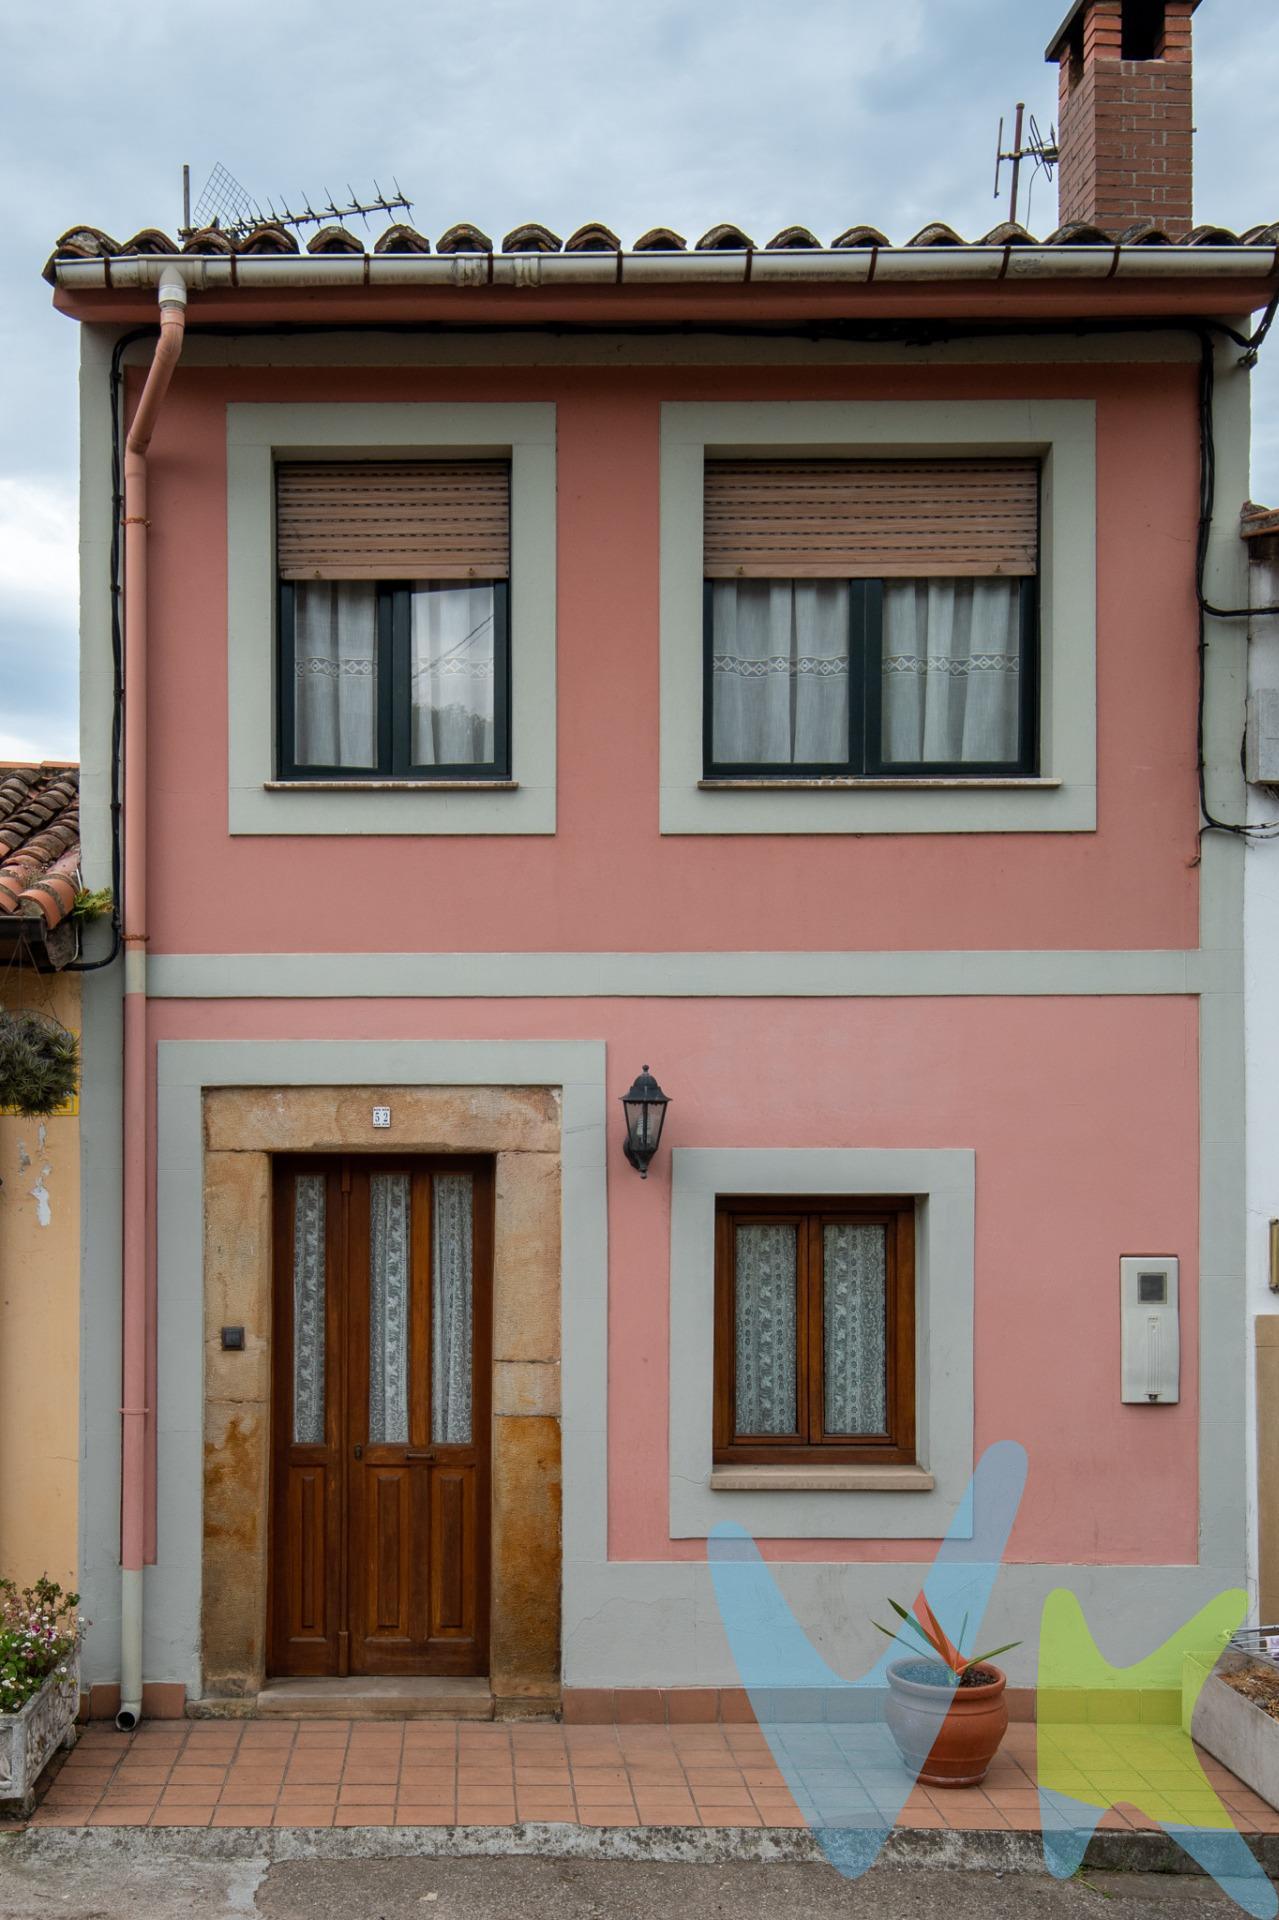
[28, 1739]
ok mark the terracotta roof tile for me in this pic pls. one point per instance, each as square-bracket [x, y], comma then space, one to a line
[1258, 523]
[531, 238]
[464, 238]
[402, 239]
[39, 841]
[89, 243]
[725, 239]
[594, 237]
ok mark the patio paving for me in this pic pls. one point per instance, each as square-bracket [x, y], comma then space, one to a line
[341, 1773]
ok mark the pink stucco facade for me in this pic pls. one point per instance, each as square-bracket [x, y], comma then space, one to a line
[1083, 1112]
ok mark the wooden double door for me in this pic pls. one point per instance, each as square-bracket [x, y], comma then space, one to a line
[381, 1416]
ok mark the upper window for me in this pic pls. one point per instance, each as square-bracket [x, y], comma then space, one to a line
[871, 618]
[814, 1332]
[394, 619]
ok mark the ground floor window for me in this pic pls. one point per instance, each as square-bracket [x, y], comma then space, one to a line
[814, 1331]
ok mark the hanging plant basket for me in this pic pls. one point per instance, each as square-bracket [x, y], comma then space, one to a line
[39, 1063]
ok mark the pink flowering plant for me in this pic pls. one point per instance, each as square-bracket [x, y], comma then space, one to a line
[40, 1632]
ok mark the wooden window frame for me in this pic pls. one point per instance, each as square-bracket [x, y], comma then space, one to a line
[865, 759]
[393, 613]
[811, 1445]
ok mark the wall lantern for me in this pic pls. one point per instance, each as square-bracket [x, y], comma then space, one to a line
[645, 1108]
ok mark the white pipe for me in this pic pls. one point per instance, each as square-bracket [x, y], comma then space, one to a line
[822, 265]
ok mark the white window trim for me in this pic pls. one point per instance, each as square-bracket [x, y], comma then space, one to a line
[258, 435]
[1063, 798]
[944, 1181]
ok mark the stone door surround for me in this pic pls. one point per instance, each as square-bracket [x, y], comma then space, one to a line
[520, 1126]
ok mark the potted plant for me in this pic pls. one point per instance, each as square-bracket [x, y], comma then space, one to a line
[40, 1634]
[946, 1711]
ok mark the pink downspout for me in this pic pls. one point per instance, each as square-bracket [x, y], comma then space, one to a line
[136, 1298]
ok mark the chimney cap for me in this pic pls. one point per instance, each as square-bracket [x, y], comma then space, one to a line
[1053, 51]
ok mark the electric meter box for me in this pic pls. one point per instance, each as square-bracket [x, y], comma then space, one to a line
[1150, 1330]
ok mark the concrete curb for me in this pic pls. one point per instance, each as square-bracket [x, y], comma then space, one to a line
[973, 1851]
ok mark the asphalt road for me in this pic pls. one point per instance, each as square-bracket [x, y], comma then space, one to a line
[530, 1889]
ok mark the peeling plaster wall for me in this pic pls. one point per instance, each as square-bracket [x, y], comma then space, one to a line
[39, 1321]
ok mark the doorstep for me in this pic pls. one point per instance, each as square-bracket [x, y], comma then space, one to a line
[377, 1697]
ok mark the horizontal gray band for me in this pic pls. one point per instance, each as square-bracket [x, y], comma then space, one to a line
[574, 976]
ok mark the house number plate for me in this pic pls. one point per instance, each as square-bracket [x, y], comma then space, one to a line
[381, 1116]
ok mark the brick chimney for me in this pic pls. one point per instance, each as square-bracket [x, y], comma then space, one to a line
[1124, 119]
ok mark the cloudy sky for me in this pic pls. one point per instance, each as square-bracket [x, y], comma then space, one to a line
[678, 112]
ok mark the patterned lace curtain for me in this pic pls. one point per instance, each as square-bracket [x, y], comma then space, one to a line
[765, 1329]
[951, 670]
[308, 1310]
[779, 667]
[453, 675]
[389, 1307]
[451, 1314]
[335, 673]
[855, 1383]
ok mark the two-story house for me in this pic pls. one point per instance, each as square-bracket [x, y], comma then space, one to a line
[773, 667]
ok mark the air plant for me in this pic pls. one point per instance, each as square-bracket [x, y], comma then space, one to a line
[936, 1642]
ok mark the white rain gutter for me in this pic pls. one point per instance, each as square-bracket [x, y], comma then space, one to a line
[815, 267]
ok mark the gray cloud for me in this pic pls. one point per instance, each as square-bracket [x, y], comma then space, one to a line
[682, 112]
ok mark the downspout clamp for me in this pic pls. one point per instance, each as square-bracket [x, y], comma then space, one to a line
[135, 1289]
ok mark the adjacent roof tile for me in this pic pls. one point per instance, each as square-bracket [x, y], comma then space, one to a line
[531, 238]
[39, 842]
[793, 237]
[594, 237]
[725, 239]
[402, 239]
[660, 240]
[149, 240]
[861, 237]
[1009, 233]
[936, 234]
[334, 240]
[464, 238]
[269, 239]
[208, 240]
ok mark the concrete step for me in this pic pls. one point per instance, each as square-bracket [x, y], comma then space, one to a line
[379, 1697]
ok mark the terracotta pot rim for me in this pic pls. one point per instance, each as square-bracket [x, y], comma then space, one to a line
[920, 1689]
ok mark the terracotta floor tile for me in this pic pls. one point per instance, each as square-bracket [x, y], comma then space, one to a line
[181, 1817]
[600, 1776]
[730, 1817]
[118, 1796]
[185, 1776]
[974, 1817]
[715, 1776]
[672, 1811]
[608, 1817]
[254, 1813]
[360, 1796]
[68, 1816]
[121, 1816]
[183, 1796]
[300, 1772]
[1026, 1819]
[303, 1817]
[1007, 1797]
[383, 1816]
[559, 1808]
[488, 1793]
[312, 1795]
[485, 1814]
[371, 1776]
[424, 1816]
[923, 1817]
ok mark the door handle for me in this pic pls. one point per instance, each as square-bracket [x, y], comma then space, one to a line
[358, 1451]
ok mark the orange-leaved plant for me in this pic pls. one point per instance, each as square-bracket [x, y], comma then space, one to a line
[927, 1628]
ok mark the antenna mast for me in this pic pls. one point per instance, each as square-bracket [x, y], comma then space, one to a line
[1043, 152]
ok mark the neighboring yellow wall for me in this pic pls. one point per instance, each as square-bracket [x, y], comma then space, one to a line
[39, 1319]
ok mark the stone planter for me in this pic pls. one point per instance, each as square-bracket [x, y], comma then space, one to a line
[1231, 1727]
[28, 1739]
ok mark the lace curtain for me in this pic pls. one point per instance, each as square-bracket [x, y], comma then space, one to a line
[453, 675]
[335, 673]
[451, 1315]
[389, 1307]
[765, 1329]
[308, 1310]
[951, 670]
[855, 1384]
[779, 668]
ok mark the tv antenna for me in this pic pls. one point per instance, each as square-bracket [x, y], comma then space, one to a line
[1043, 152]
[228, 206]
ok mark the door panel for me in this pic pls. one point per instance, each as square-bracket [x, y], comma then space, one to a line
[381, 1403]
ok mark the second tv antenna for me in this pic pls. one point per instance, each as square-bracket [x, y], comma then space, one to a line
[1043, 152]
[227, 205]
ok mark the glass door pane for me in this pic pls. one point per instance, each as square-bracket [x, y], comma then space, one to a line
[765, 1331]
[855, 1329]
[451, 1309]
[308, 1310]
[389, 1279]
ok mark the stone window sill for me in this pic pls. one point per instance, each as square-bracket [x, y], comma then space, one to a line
[842, 783]
[390, 786]
[821, 1480]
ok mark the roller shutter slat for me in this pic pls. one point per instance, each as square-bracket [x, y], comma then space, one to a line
[870, 519]
[393, 520]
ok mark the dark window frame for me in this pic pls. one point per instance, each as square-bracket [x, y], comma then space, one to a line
[811, 1445]
[865, 759]
[392, 600]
